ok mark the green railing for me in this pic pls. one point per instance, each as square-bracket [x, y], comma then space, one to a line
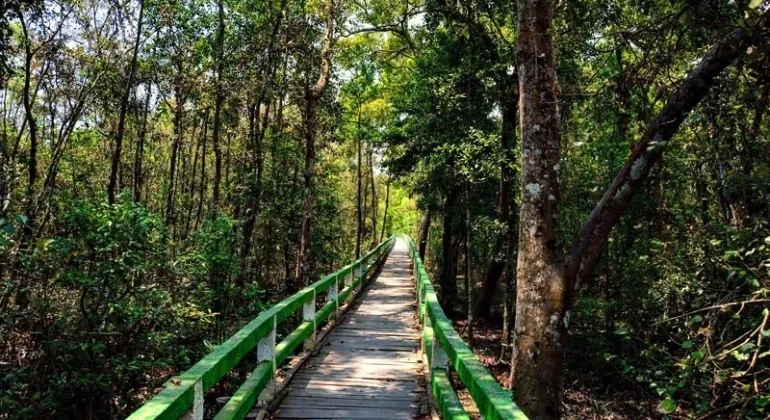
[183, 394]
[442, 346]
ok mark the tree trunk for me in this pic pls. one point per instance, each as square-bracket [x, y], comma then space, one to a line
[139, 156]
[188, 221]
[113, 185]
[255, 192]
[175, 144]
[370, 161]
[547, 283]
[748, 138]
[359, 192]
[507, 137]
[387, 204]
[32, 122]
[424, 231]
[220, 97]
[448, 277]
[467, 269]
[202, 184]
[541, 289]
[312, 95]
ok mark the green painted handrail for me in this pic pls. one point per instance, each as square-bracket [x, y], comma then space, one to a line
[442, 344]
[184, 393]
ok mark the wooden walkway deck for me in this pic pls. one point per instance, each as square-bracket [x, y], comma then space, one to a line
[370, 366]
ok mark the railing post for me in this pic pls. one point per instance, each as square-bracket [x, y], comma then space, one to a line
[266, 353]
[357, 275]
[333, 294]
[308, 314]
[196, 413]
[438, 357]
[425, 360]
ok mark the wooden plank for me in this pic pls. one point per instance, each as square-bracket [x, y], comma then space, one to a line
[299, 402]
[344, 413]
[326, 393]
[355, 384]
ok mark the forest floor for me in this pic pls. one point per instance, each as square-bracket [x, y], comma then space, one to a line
[588, 394]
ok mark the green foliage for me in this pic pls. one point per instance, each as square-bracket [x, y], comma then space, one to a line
[125, 322]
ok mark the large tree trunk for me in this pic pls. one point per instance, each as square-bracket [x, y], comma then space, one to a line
[312, 95]
[538, 358]
[547, 283]
[220, 97]
[113, 185]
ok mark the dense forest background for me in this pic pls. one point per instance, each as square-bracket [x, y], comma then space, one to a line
[169, 168]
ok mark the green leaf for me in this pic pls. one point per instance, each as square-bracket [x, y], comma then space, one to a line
[43, 243]
[667, 406]
[687, 344]
[753, 4]
[739, 356]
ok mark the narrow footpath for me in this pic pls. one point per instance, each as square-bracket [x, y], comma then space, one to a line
[369, 365]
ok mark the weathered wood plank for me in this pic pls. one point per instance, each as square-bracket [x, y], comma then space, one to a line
[344, 413]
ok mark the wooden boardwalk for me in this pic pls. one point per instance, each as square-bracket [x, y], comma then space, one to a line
[369, 365]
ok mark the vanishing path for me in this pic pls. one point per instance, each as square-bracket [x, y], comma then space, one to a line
[369, 366]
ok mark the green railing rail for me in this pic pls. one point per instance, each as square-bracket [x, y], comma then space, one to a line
[183, 394]
[441, 345]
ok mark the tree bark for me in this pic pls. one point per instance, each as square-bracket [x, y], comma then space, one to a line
[312, 95]
[115, 168]
[538, 357]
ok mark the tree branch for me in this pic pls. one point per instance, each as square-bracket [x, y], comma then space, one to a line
[584, 254]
